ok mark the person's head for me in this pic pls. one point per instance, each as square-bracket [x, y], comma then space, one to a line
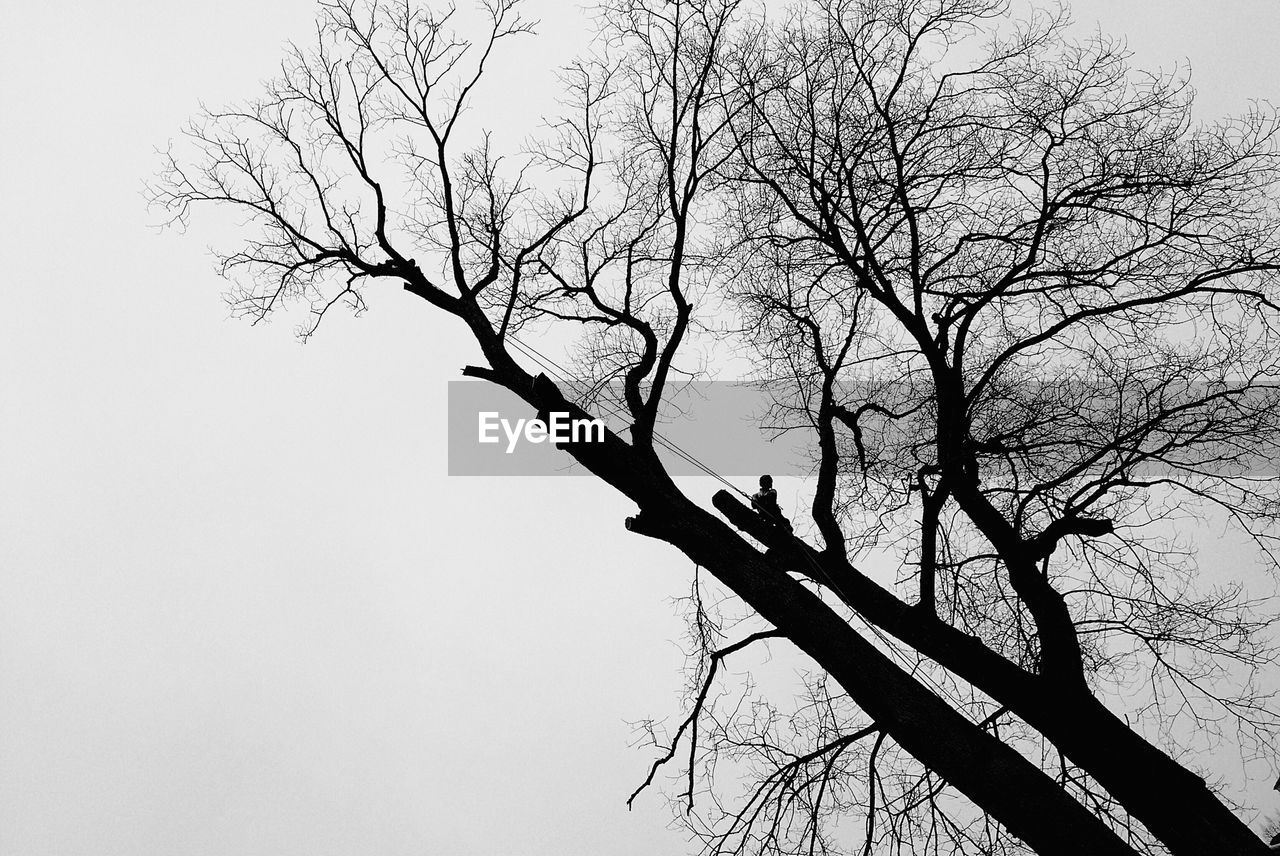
[766, 482]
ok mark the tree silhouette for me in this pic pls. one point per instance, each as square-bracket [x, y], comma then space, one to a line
[1022, 303]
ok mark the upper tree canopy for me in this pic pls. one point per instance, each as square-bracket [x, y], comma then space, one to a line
[1021, 301]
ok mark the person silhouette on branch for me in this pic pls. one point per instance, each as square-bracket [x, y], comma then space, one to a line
[765, 502]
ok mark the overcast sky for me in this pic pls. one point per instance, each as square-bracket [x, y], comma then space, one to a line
[243, 610]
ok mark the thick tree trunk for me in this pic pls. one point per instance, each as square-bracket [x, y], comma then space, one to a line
[1178, 808]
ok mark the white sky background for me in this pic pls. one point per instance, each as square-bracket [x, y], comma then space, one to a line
[242, 609]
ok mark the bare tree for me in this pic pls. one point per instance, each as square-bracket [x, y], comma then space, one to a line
[1022, 302]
